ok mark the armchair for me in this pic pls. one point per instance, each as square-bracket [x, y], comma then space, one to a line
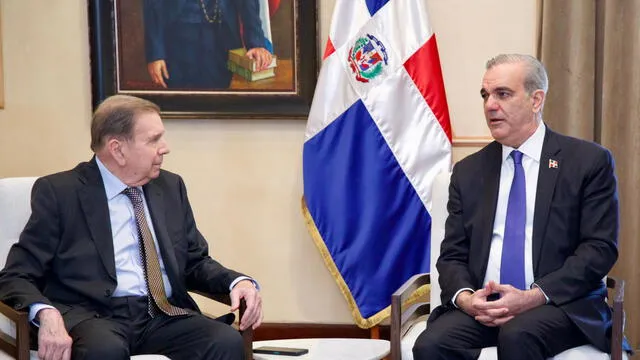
[15, 209]
[408, 323]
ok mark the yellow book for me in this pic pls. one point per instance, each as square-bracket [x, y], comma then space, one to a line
[250, 75]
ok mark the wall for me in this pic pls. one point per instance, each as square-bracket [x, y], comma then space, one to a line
[244, 177]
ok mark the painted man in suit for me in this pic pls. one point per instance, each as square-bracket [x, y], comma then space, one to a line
[188, 41]
[84, 268]
[533, 198]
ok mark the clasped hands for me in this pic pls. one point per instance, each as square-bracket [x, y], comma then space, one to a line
[512, 302]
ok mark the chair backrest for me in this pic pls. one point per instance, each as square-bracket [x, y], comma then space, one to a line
[439, 199]
[15, 209]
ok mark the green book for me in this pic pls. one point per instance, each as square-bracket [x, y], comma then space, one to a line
[250, 75]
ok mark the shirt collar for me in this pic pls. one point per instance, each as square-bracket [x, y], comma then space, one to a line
[532, 147]
[112, 185]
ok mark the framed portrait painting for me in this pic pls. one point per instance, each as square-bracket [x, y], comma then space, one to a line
[207, 59]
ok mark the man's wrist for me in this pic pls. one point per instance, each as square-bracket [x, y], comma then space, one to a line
[536, 297]
[242, 278]
[461, 299]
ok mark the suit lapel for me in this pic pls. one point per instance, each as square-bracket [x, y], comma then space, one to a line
[491, 183]
[547, 178]
[93, 201]
[155, 201]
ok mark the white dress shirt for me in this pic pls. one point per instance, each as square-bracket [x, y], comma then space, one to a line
[531, 150]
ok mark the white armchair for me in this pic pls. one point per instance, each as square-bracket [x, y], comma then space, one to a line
[408, 324]
[15, 209]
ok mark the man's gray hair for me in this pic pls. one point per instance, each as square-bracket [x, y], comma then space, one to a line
[115, 117]
[536, 76]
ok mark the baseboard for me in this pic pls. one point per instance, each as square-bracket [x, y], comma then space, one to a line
[275, 331]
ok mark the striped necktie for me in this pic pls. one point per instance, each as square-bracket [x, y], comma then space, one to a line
[149, 255]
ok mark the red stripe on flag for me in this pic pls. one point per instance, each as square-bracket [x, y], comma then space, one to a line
[329, 49]
[424, 68]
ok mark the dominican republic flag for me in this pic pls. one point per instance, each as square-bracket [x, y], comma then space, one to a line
[377, 135]
[267, 8]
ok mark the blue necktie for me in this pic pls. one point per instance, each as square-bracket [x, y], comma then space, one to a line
[512, 264]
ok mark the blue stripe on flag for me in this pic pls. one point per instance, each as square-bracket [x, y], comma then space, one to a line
[372, 221]
[375, 5]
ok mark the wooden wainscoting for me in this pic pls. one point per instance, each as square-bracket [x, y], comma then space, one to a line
[275, 331]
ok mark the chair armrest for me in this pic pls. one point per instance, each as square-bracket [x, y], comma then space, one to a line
[247, 334]
[18, 347]
[618, 317]
[401, 320]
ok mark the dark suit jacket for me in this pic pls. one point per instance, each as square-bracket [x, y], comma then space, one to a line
[575, 228]
[65, 254]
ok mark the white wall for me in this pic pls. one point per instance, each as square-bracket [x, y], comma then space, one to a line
[244, 177]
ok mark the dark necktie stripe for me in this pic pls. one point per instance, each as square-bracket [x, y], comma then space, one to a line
[149, 254]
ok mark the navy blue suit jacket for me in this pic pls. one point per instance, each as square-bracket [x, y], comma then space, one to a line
[160, 15]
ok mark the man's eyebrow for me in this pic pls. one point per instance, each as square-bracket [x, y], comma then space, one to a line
[156, 136]
[503, 88]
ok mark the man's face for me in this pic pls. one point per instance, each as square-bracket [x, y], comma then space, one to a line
[144, 152]
[510, 112]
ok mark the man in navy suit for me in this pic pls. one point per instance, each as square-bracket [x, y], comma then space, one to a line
[564, 224]
[80, 268]
[188, 41]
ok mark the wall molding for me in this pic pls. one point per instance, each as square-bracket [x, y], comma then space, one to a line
[471, 141]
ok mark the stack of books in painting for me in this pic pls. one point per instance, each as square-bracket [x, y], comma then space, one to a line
[240, 64]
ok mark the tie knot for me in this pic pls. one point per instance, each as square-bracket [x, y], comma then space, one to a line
[133, 194]
[517, 157]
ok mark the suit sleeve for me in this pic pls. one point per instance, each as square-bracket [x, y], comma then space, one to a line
[202, 273]
[597, 252]
[453, 263]
[154, 21]
[253, 36]
[29, 259]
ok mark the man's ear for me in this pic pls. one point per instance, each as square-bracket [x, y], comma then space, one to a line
[538, 100]
[116, 150]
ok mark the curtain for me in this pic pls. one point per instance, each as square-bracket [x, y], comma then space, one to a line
[591, 49]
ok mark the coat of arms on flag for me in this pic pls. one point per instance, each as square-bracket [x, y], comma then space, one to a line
[377, 135]
[367, 58]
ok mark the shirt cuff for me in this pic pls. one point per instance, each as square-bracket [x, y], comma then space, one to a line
[453, 299]
[33, 311]
[545, 295]
[238, 279]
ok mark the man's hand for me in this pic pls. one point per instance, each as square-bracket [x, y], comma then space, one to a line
[261, 56]
[54, 343]
[252, 317]
[158, 72]
[515, 301]
[476, 305]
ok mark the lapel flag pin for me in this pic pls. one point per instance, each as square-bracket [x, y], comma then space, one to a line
[553, 164]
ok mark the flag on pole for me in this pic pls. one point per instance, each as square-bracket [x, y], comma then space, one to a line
[266, 24]
[378, 133]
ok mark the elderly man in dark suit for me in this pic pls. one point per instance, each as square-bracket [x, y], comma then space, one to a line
[187, 42]
[105, 262]
[532, 230]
